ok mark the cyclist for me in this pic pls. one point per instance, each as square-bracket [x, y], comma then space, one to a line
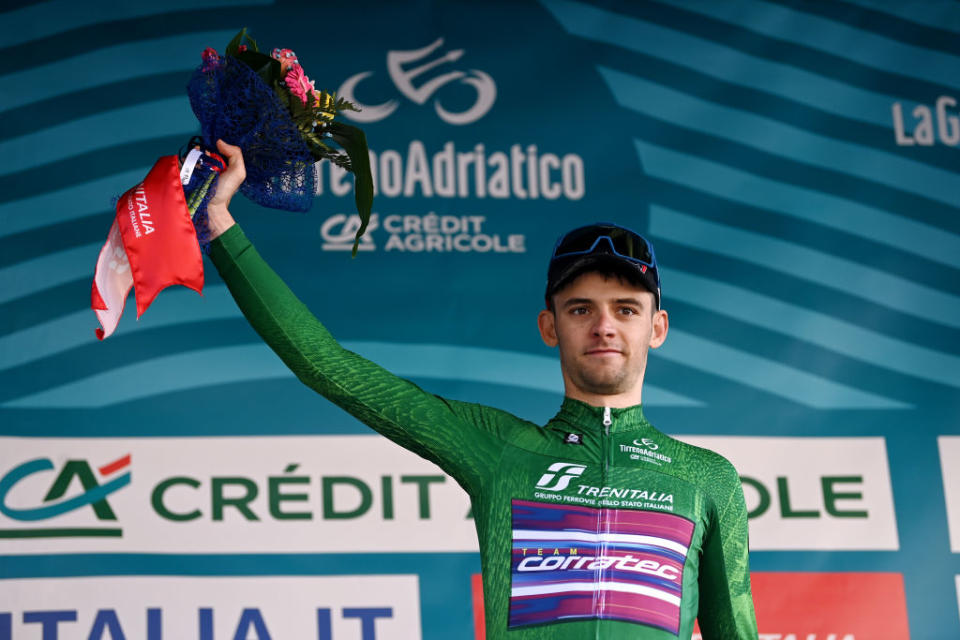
[595, 525]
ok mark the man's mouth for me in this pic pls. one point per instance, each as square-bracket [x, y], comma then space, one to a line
[599, 351]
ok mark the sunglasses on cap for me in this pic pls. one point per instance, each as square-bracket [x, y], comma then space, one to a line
[622, 242]
[609, 239]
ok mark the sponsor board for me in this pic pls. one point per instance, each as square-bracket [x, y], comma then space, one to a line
[835, 606]
[467, 170]
[175, 495]
[950, 466]
[211, 608]
[813, 493]
[479, 622]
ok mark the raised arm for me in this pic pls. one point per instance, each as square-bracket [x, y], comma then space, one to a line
[439, 430]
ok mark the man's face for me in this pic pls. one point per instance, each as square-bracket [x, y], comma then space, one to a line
[603, 327]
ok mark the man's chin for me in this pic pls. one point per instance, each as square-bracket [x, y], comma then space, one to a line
[603, 385]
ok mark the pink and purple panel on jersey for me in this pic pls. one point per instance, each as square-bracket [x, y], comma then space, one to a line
[574, 562]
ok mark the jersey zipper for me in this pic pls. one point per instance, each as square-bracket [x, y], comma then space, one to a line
[603, 523]
[607, 457]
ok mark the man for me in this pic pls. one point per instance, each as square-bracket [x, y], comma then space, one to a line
[595, 525]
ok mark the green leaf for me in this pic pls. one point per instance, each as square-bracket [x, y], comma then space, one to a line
[346, 105]
[354, 142]
[233, 48]
[298, 110]
[263, 65]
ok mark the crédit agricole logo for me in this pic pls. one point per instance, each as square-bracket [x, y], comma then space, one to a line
[38, 491]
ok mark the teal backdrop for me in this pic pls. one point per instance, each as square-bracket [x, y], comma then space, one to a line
[795, 165]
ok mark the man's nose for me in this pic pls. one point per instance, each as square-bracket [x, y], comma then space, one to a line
[603, 325]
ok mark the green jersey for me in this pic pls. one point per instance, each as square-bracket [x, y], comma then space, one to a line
[595, 525]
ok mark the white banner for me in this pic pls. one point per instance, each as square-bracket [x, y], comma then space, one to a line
[211, 608]
[950, 465]
[958, 593]
[226, 495]
[365, 494]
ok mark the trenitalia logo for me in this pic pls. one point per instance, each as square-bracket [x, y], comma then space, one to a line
[54, 504]
[405, 67]
[569, 472]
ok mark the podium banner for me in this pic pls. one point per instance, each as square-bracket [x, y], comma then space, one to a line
[794, 164]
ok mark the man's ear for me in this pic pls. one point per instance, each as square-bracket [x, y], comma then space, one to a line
[661, 324]
[546, 321]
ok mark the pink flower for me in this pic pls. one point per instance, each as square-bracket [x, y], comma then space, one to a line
[210, 59]
[287, 58]
[298, 83]
[242, 48]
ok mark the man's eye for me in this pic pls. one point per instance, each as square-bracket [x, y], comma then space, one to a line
[628, 311]
[578, 311]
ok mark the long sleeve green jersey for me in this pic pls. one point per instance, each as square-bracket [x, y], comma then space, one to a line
[595, 525]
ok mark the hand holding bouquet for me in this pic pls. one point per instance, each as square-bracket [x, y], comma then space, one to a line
[267, 106]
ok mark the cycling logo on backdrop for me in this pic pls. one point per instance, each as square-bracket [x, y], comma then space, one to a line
[97, 486]
[411, 74]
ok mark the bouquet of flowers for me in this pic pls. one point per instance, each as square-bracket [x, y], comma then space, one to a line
[266, 105]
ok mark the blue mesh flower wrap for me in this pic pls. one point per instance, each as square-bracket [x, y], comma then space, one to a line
[234, 104]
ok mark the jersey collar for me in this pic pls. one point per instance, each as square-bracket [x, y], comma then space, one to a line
[581, 415]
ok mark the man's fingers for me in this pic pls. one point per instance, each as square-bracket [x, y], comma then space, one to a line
[234, 157]
[232, 153]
